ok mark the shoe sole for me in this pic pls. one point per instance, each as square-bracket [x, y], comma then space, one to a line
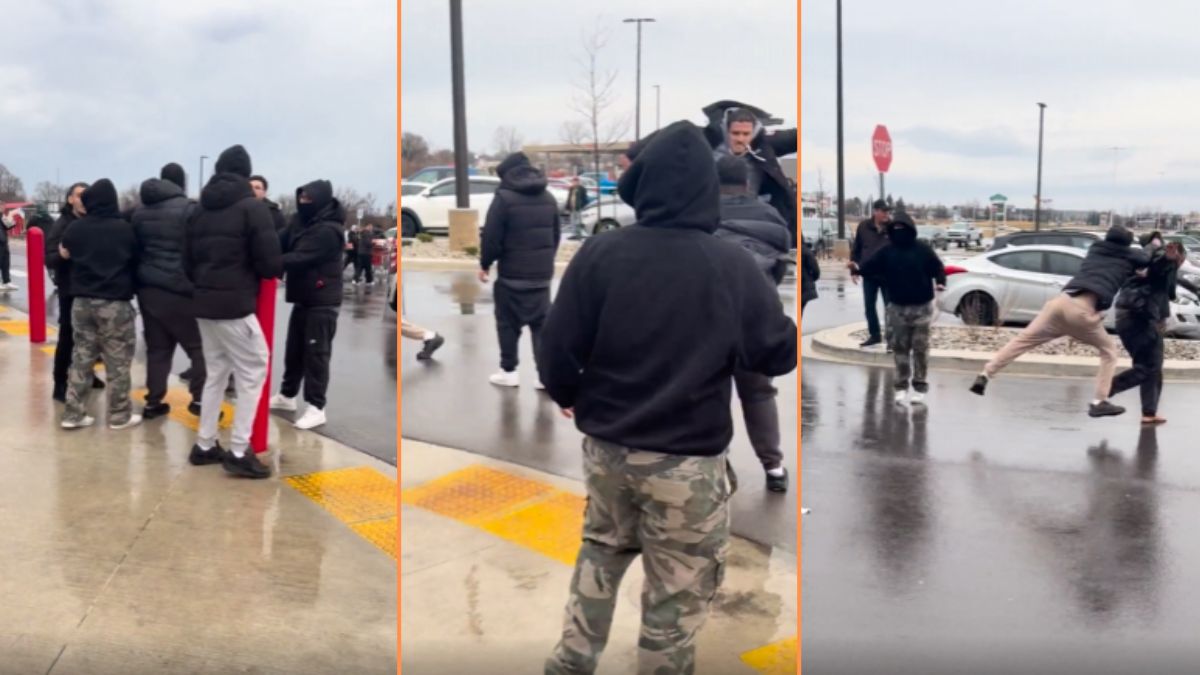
[309, 427]
[205, 460]
[75, 427]
[1114, 413]
[240, 473]
[506, 385]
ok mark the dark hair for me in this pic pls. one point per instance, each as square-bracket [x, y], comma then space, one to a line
[1178, 246]
[261, 180]
[66, 205]
[731, 172]
[740, 115]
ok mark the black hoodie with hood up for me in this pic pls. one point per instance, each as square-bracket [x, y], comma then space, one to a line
[102, 247]
[522, 228]
[160, 224]
[231, 242]
[1107, 266]
[907, 268]
[313, 259]
[651, 321]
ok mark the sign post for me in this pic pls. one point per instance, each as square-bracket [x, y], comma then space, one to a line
[35, 266]
[881, 151]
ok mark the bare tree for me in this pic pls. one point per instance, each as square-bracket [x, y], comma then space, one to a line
[352, 201]
[596, 95]
[46, 191]
[414, 152]
[507, 140]
[11, 188]
[287, 204]
[130, 198]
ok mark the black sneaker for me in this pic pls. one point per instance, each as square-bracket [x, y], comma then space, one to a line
[431, 346]
[157, 410]
[214, 455]
[980, 385]
[97, 383]
[871, 342]
[186, 375]
[1104, 409]
[194, 408]
[246, 466]
[777, 483]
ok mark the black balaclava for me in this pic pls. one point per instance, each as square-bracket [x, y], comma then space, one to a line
[174, 173]
[321, 194]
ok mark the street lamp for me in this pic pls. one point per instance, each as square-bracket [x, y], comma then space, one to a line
[637, 116]
[462, 196]
[1037, 208]
[657, 107]
[200, 178]
[1112, 211]
[841, 163]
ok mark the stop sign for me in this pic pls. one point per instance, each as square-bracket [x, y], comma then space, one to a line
[881, 148]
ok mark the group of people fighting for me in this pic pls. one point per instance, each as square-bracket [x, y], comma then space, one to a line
[195, 269]
[1141, 281]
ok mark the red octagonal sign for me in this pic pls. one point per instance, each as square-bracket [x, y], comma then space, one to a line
[881, 148]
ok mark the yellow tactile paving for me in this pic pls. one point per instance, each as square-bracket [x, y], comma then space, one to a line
[179, 399]
[20, 328]
[777, 658]
[360, 497]
[475, 495]
[552, 526]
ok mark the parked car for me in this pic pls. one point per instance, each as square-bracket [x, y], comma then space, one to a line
[820, 233]
[434, 174]
[429, 210]
[601, 179]
[934, 236]
[607, 213]
[1010, 286]
[408, 189]
[1073, 238]
[964, 234]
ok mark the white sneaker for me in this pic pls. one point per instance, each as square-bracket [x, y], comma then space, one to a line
[9, 287]
[901, 396]
[916, 398]
[281, 402]
[134, 420]
[312, 418]
[87, 421]
[540, 386]
[505, 378]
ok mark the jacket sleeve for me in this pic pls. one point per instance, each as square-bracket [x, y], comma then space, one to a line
[567, 337]
[1140, 258]
[264, 241]
[768, 344]
[493, 233]
[314, 250]
[856, 249]
[937, 269]
[873, 266]
[783, 142]
[809, 260]
[53, 238]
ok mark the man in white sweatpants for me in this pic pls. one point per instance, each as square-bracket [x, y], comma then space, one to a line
[231, 247]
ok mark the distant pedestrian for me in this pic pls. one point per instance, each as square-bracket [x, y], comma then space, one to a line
[640, 348]
[102, 249]
[908, 271]
[7, 224]
[364, 251]
[871, 236]
[1143, 307]
[1079, 312]
[810, 273]
[164, 290]
[758, 229]
[313, 263]
[577, 200]
[520, 235]
[231, 247]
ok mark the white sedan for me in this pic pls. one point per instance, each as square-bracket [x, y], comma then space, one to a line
[1011, 285]
[608, 213]
[429, 209]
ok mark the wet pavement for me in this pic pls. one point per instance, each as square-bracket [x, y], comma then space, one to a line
[362, 388]
[1003, 534]
[449, 402]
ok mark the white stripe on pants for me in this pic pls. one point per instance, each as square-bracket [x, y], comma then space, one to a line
[236, 347]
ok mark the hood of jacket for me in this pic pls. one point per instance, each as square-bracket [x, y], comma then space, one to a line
[236, 160]
[100, 200]
[155, 190]
[902, 231]
[1119, 235]
[324, 206]
[673, 181]
[718, 118]
[519, 175]
[225, 190]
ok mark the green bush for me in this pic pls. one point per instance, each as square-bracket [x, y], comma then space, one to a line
[406, 242]
[424, 237]
[471, 250]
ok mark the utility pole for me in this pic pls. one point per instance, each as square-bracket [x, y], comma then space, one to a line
[1112, 211]
[841, 150]
[458, 84]
[1037, 209]
[637, 115]
[657, 107]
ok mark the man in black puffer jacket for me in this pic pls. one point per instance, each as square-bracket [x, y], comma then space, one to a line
[313, 263]
[750, 223]
[164, 290]
[231, 247]
[521, 233]
[1079, 312]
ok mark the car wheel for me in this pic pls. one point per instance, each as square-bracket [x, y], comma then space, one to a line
[606, 224]
[408, 226]
[978, 309]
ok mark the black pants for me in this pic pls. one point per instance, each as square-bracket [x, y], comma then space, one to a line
[167, 324]
[761, 415]
[872, 289]
[5, 264]
[351, 256]
[306, 356]
[1144, 343]
[66, 343]
[363, 263]
[517, 308]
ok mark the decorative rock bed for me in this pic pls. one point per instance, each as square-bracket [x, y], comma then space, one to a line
[990, 340]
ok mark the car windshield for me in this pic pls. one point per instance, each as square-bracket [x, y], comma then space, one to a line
[960, 226]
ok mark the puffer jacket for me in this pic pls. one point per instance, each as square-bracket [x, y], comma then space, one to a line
[760, 230]
[522, 229]
[1107, 266]
[161, 227]
[313, 261]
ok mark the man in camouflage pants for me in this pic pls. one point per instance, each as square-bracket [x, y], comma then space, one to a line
[102, 248]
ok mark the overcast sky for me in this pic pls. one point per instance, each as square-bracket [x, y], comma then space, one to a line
[521, 62]
[108, 88]
[957, 84]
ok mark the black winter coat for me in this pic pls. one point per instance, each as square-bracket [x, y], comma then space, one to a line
[231, 246]
[868, 240]
[810, 272]
[522, 229]
[1149, 297]
[1107, 266]
[313, 261]
[759, 229]
[102, 247]
[160, 224]
[60, 268]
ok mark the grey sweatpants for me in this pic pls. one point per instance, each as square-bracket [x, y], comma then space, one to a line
[235, 347]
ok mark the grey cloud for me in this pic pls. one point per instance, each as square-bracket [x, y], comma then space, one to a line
[972, 143]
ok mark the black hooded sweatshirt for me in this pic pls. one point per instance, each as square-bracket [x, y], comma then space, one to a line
[760, 230]
[231, 243]
[1149, 298]
[160, 224]
[522, 229]
[60, 268]
[907, 268]
[102, 246]
[651, 321]
[1107, 266]
[313, 260]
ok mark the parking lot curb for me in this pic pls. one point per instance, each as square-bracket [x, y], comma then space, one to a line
[840, 344]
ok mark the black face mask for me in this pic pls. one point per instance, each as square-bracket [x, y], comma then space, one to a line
[307, 211]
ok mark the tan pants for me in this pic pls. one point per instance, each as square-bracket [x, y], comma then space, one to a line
[1064, 315]
[411, 331]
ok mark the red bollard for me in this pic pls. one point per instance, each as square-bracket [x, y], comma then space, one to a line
[35, 264]
[266, 319]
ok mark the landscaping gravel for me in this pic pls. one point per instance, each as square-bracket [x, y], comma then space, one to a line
[990, 340]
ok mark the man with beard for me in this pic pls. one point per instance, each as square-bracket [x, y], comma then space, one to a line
[164, 290]
[60, 273]
[313, 263]
[232, 246]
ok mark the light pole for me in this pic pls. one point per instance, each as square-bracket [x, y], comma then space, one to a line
[1112, 211]
[637, 115]
[657, 107]
[841, 163]
[1037, 208]
[460, 106]
[200, 178]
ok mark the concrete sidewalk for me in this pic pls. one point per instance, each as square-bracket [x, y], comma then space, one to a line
[488, 549]
[120, 557]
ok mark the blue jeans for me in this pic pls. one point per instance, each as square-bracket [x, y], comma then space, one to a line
[872, 289]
